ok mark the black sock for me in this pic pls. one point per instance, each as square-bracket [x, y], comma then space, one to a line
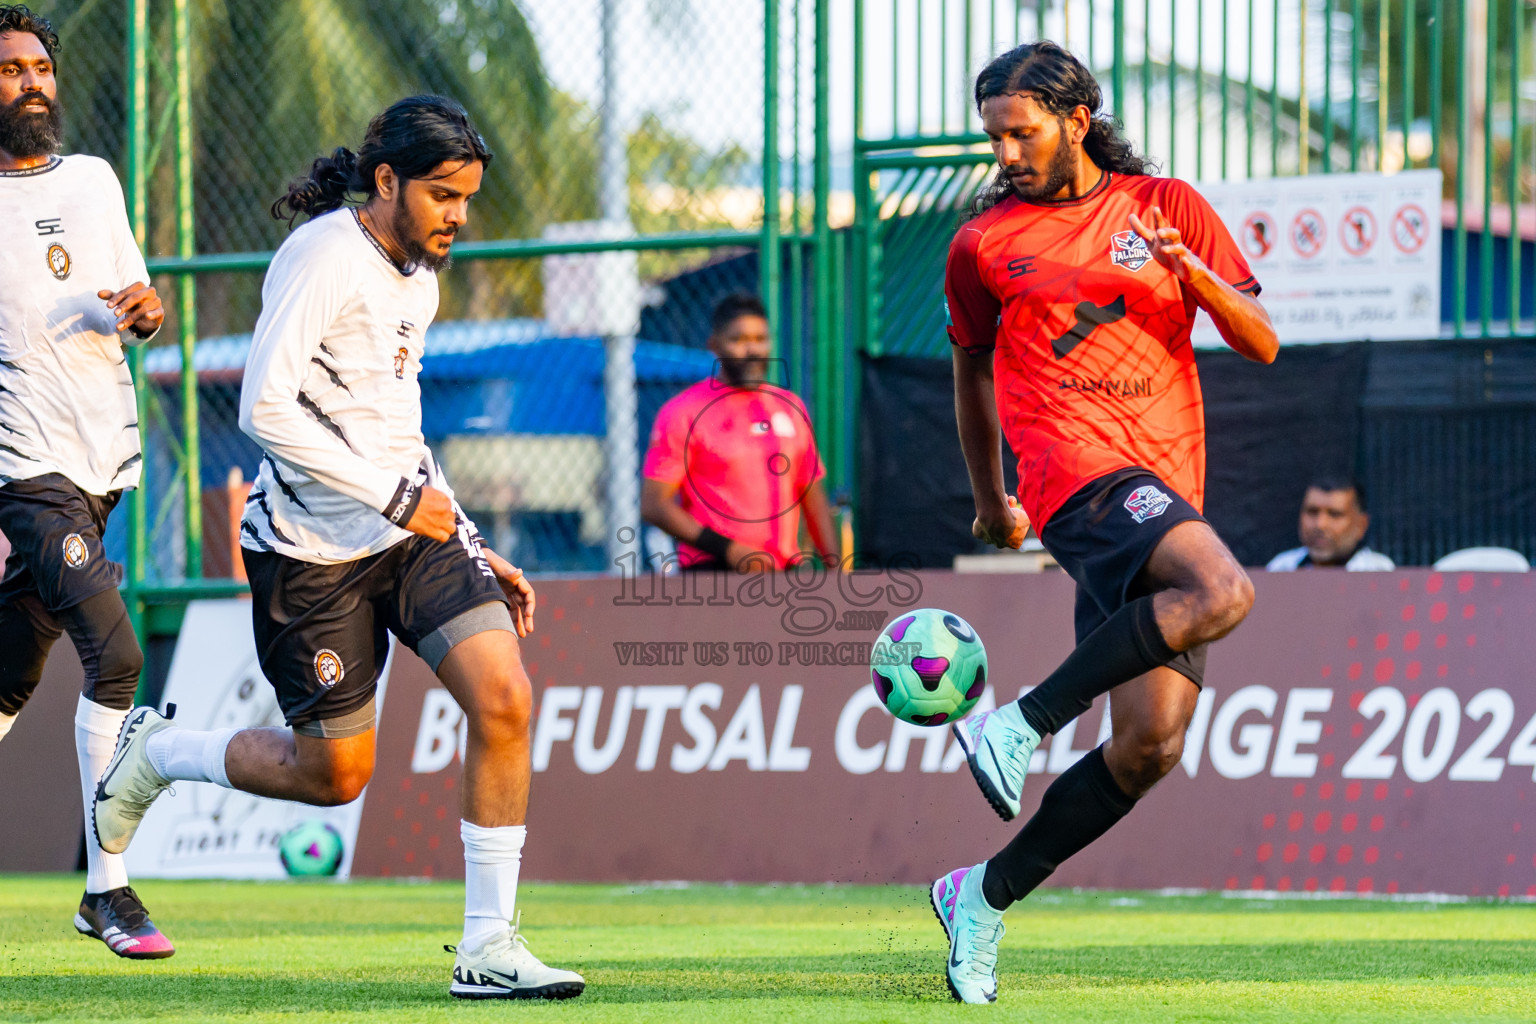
[1128, 644]
[1077, 808]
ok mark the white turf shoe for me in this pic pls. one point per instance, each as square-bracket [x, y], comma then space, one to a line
[504, 968]
[130, 784]
[974, 929]
[998, 745]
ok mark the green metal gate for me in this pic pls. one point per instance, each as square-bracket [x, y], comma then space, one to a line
[1210, 89]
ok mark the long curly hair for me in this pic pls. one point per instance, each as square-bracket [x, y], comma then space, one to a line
[413, 136]
[1060, 83]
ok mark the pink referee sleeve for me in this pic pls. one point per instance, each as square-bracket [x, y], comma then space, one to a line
[669, 434]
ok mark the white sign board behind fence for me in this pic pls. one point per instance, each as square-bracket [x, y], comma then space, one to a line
[197, 829]
[1341, 257]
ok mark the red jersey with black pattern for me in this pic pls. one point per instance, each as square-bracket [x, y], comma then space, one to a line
[1093, 368]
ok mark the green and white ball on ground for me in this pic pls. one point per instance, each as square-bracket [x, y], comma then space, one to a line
[311, 848]
[928, 667]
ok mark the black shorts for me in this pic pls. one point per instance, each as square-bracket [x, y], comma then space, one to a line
[55, 532]
[1103, 537]
[321, 629]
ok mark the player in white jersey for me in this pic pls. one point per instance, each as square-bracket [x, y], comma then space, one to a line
[350, 533]
[72, 292]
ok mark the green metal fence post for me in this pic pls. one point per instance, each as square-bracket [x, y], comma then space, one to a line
[1303, 104]
[822, 312]
[186, 292]
[1436, 80]
[1173, 88]
[1516, 28]
[1463, 116]
[1117, 70]
[1355, 15]
[1407, 76]
[768, 249]
[967, 71]
[136, 188]
[1226, 53]
[917, 72]
[859, 306]
[1274, 89]
[1248, 100]
[1485, 249]
[1325, 157]
[1383, 84]
[1091, 20]
[1146, 75]
[895, 67]
[943, 65]
[1199, 90]
[792, 332]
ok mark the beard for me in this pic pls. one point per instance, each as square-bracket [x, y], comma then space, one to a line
[416, 251]
[1058, 174]
[24, 134]
[743, 373]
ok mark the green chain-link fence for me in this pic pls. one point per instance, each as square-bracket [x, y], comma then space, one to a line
[667, 137]
[1212, 90]
[625, 198]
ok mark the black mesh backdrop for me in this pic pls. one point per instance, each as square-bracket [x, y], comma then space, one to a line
[1269, 429]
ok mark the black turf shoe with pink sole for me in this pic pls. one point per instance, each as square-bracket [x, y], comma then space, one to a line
[117, 918]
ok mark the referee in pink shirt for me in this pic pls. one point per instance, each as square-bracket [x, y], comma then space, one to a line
[732, 462]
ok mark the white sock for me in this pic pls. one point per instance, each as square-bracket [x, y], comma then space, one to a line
[96, 730]
[182, 755]
[492, 859]
[6, 721]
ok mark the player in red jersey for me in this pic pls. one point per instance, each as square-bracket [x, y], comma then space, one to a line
[1071, 295]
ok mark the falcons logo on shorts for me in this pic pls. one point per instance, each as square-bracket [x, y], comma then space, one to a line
[1147, 503]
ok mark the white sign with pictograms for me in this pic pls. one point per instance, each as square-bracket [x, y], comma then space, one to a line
[1340, 257]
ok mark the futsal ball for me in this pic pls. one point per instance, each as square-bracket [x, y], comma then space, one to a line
[311, 848]
[929, 667]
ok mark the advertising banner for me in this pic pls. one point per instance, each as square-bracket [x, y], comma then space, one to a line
[1341, 257]
[40, 804]
[197, 829]
[1360, 733]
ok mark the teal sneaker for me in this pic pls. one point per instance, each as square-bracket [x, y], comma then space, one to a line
[998, 745]
[974, 929]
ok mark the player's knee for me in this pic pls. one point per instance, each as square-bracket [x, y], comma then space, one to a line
[1148, 755]
[343, 784]
[503, 703]
[1225, 600]
[117, 674]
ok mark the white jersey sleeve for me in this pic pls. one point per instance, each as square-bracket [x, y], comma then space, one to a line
[127, 258]
[301, 298]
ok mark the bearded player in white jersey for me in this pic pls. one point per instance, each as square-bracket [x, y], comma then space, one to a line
[72, 293]
[351, 532]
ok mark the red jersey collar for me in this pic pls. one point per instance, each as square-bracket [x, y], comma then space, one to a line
[1093, 193]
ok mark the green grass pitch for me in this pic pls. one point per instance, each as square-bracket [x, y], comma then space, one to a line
[296, 952]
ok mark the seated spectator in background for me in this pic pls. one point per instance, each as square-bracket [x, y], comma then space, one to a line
[1333, 525]
[732, 460]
